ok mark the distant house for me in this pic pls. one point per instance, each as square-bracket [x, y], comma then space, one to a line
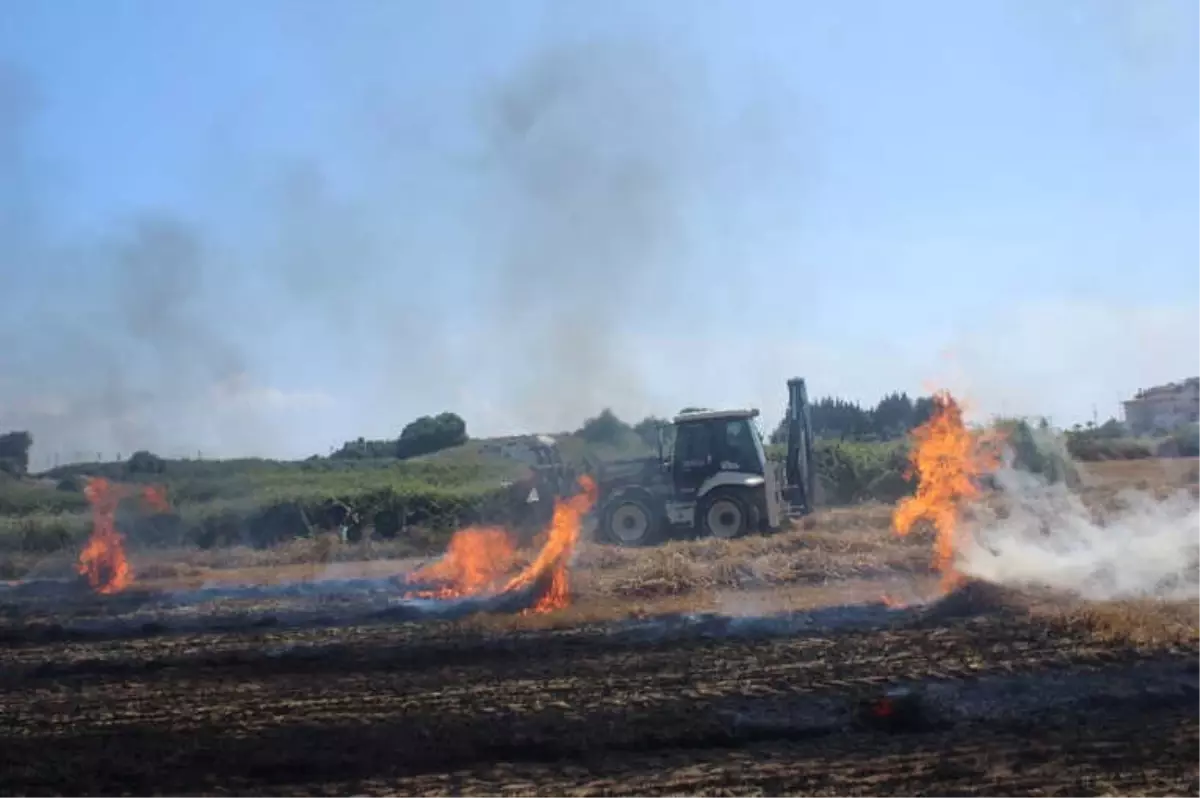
[1164, 407]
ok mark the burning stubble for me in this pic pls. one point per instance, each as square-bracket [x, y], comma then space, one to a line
[477, 560]
[103, 561]
[947, 460]
[1045, 536]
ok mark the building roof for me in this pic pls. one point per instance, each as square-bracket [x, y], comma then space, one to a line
[1166, 390]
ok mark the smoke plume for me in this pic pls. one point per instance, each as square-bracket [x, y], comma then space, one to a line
[590, 152]
[1048, 537]
[588, 156]
[98, 362]
[516, 286]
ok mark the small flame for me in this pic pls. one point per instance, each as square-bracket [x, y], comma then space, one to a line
[883, 708]
[947, 458]
[155, 498]
[475, 560]
[103, 559]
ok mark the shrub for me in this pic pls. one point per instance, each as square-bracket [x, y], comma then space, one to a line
[1039, 450]
[1182, 443]
[14, 452]
[1089, 448]
[42, 533]
[45, 538]
[855, 472]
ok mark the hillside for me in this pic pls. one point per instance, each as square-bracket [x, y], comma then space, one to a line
[415, 491]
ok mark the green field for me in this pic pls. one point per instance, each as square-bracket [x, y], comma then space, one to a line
[261, 502]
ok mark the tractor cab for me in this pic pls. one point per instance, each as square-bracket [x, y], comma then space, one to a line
[711, 478]
[706, 442]
[722, 451]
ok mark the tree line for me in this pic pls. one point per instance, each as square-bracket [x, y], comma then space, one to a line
[892, 418]
[425, 435]
[832, 418]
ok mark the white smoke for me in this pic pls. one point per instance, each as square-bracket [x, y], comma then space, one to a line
[1050, 538]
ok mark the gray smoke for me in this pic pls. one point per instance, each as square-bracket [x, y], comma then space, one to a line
[590, 155]
[102, 361]
[116, 358]
[1050, 538]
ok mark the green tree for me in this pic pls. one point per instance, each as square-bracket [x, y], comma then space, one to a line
[838, 419]
[14, 452]
[604, 428]
[430, 434]
[647, 429]
[144, 462]
[362, 449]
[893, 417]
[923, 410]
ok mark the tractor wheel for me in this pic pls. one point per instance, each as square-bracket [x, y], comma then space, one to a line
[724, 514]
[630, 520]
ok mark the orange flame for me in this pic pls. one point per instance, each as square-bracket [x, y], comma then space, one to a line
[947, 459]
[103, 559]
[554, 557]
[155, 498]
[476, 559]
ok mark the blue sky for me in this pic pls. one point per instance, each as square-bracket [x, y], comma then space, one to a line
[265, 228]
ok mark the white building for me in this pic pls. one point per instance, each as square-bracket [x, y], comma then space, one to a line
[1164, 407]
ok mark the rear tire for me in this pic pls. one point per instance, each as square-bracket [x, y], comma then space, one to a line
[630, 520]
[724, 514]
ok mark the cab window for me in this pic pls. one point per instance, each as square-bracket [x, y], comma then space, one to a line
[692, 445]
[739, 445]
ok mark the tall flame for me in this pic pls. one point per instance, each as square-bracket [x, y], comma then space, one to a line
[103, 559]
[555, 556]
[947, 459]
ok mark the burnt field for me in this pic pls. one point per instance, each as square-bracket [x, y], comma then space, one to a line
[1006, 698]
[811, 662]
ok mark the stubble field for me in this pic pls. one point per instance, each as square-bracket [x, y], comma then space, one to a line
[758, 666]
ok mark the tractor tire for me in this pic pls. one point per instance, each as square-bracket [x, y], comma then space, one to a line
[724, 514]
[630, 519]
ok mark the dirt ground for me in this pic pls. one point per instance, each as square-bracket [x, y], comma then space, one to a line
[626, 692]
[450, 709]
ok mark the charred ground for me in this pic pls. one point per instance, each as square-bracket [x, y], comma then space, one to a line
[634, 689]
[1017, 703]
